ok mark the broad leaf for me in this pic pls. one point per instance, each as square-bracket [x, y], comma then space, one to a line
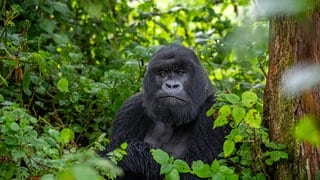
[238, 114]
[166, 168]
[160, 156]
[228, 148]
[249, 99]
[215, 166]
[220, 121]
[172, 175]
[225, 111]
[63, 85]
[253, 118]
[66, 135]
[181, 166]
[210, 112]
[201, 170]
[307, 130]
[232, 98]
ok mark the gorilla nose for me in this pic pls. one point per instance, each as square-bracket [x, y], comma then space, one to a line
[172, 86]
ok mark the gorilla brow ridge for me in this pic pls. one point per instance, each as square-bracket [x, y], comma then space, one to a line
[172, 64]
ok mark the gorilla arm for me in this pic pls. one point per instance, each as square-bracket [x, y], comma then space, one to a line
[131, 121]
[130, 125]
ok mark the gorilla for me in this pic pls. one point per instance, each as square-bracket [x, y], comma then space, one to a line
[170, 114]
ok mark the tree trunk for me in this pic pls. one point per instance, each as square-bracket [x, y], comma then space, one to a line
[292, 41]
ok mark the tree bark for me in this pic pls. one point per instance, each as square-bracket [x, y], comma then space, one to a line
[292, 41]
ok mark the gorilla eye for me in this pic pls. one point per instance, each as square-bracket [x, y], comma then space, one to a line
[163, 73]
[180, 72]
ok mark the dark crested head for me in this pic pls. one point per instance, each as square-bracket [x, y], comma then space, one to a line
[175, 85]
[175, 52]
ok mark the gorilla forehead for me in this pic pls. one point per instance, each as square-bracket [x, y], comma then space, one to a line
[170, 64]
[173, 56]
[174, 52]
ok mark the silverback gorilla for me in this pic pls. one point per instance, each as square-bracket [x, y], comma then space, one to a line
[170, 113]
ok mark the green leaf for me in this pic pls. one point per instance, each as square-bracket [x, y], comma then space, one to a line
[54, 133]
[66, 174]
[48, 177]
[160, 156]
[283, 154]
[75, 97]
[41, 89]
[261, 176]
[124, 145]
[259, 107]
[253, 118]
[60, 39]
[18, 153]
[181, 166]
[4, 81]
[220, 121]
[47, 25]
[172, 175]
[1, 98]
[275, 156]
[84, 172]
[14, 126]
[62, 8]
[79, 108]
[269, 162]
[215, 166]
[238, 138]
[238, 114]
[201, 170]
[26, 84]
[210, 112]
[166, 168]
[76, 127]
[163, 26]
[93, 8]
[306, 130]
[218, 176]
[63, 85]
[225, 111]
[249, 99]
[66, 135]
[228, 147]
[232, 98]
[226, 170]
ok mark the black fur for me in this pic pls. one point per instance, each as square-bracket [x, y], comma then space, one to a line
[170, 114]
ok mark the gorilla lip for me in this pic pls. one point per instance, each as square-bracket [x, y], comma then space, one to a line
[174, 97]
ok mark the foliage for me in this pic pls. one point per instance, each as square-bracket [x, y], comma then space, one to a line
[172, 167]
[116, 155]
[67, 66]
[247, 150]
[247, 146]
[308, 130]
[27, 153]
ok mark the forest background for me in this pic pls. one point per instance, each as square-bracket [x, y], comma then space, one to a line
[67, 66]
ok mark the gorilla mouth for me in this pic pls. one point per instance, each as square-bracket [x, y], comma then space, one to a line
[172, 99]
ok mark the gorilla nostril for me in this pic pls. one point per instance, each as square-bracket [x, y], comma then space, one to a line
[175, 86]
[172, 86]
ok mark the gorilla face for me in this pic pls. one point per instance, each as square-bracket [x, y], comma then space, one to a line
[172, 83]
[175, 86]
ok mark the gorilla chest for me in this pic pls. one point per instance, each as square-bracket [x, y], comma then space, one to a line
[169, 138]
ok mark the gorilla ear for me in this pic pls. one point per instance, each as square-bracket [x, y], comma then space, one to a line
[209, 89]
